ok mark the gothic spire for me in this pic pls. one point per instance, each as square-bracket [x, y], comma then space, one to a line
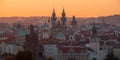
[63, 18]
[53, 18]
[94, 30]
[94, 33]
[63, 13]
[53, 13]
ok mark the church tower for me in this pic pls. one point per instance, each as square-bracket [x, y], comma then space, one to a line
[32, 44]
[32, 38]
[94, 34]
[63, 19]
[74, 24]
[49, 22]
[53, 18]
[94, 42]
[45, 30]
[53, 21]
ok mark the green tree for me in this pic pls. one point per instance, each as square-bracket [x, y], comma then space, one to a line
[21, 55]
[5, 55]
[10, 57]
[111, 56]
[94, 59]
[24, 55]
[50, 58]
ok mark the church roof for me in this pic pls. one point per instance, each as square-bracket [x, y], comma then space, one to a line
[7, 38]
[60, 35]
[76, 49]
[21, 33]
[70, 32]
[45, 25]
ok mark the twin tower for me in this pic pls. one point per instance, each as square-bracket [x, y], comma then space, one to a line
[60, 25]
[54, 18]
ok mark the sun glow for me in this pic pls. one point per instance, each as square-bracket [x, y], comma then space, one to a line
[79, 8]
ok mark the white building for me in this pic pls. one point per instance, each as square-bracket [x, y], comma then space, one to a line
[72, 53]
[50, 50]
[10, 48]
[116, 52]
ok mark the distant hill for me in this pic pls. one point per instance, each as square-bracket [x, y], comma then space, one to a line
[113, 19]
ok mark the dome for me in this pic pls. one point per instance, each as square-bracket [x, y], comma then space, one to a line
[45, 25]
[60, 35]
[21, 33]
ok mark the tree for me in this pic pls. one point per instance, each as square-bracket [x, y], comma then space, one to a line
[5, 55]
[111, 56]
[11, 57]
[21, 55]
[50, 58]
[24, 55]
[94, 59]
[116, 58]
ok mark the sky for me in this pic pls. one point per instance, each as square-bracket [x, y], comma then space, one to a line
[79, 8]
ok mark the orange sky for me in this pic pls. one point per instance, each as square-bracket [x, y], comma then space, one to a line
[79, 8]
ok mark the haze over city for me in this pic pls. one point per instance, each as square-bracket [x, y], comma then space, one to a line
[79, 8]
[59, 29]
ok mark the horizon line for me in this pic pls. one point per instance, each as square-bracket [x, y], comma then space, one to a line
[60, 16]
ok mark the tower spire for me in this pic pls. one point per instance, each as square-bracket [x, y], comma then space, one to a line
[63, 13]
[53, 18]
[94, 32]
[53, 13]
[63, 18]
